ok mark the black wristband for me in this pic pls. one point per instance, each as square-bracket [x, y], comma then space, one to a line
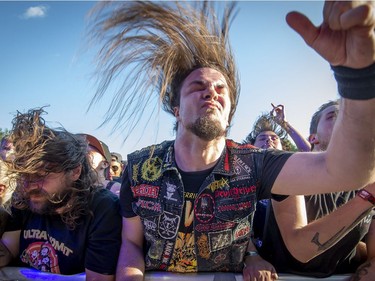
[355, 84]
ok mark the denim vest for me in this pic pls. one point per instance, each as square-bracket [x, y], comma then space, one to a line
[223, 209]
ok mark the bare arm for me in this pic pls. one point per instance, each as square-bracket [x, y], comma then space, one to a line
[279, 114]
[346, 38]
[9, 247]
[131, 266]
[305, 241]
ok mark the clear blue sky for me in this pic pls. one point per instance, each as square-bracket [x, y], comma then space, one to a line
[42, 62]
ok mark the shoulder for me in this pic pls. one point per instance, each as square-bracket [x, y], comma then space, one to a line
[104, 196]
[150, 151]
[242, 148]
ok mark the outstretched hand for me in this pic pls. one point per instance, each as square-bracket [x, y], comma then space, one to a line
[346, 37]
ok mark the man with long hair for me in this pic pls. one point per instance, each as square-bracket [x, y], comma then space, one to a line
[58, 213]
[187, 204]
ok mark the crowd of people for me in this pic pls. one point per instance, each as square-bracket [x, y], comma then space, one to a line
[201, 202]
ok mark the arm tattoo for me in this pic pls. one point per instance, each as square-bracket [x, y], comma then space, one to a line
[322, 246]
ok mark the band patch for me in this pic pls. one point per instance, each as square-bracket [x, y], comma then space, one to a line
[203, 247]
[168, 225]
[149, 205]
[235, 192]
[242, 230]
[234, 207]
[214, 226]
[145, 190]
[171, 192]
[151, 169]
[220, 240]
[204, 208]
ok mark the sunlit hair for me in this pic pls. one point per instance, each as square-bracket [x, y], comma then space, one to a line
[266, 122]
[38, 150]
[152, 47]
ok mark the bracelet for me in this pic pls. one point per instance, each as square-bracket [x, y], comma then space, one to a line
[365, 195]
[355, 84]
[250, 254]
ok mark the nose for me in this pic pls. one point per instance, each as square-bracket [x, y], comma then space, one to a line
[269, 139]
[210, 92]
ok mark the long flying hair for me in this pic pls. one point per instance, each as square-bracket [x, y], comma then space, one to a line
[40, 150]
[150, 47]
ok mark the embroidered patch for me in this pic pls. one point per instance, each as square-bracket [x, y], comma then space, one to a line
[167, 254]
[156, 249]
[204, 208]
[148, 205]
[203, 247]
[220, 258]
[168, 225]
[151, 169]
[234, 207]
[171, 192]
[242, 230]
[150, 225]
[214, 226]
[218, 184]
[220, 240]
[145, 190]
[235, 192]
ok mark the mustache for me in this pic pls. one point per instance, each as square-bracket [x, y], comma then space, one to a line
[55, 198]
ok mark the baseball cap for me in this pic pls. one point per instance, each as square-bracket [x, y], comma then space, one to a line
[99, 145]
[117, 156]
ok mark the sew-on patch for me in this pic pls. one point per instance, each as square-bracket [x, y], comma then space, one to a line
[203, 247]
[151, 169]
[171, 194]
[242, 230]
[168, 225]
[220, 240]
[204, 208]
[145, 190]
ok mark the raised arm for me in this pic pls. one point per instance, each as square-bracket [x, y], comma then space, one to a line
[279, 114]
[307, 240]
[346, 39]
[131, 266]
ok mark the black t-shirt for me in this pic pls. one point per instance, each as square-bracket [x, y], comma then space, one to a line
[338, 259]
[48, 245]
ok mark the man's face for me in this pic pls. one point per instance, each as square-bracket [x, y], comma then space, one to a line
[115, 168]
[45, 192]
[324, 129]
[268, 139]
[204, 104]
[97, 160]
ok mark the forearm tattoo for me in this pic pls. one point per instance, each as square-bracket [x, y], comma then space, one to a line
[322, 246]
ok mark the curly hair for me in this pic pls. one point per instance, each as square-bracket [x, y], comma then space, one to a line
[155, 46]
[39, 149]
[266, 122]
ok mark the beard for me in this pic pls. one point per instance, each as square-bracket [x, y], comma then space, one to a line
[206, 128]
[42, 203]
